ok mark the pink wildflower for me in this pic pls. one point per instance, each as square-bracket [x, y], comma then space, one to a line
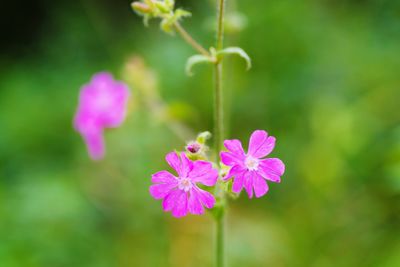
[180, 194]
[250, 170]
[102, 104]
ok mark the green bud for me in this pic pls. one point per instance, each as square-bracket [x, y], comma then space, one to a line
[166, 25]
[163, 7]
[141, 8]
[169, 3]
[203, 137]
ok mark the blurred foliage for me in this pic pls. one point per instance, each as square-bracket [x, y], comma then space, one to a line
[325, 81]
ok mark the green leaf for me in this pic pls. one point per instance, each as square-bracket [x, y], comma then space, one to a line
[193, 60]
[181, 13]
[236, 51]
[146, 19]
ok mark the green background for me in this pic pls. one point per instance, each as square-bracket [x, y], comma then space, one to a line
[325, 82]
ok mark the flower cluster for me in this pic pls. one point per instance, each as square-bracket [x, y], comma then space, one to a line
[181, 194]
[162, 9]
[102, 104]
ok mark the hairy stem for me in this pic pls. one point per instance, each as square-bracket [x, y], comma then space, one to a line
[219, 127]
[186, 36]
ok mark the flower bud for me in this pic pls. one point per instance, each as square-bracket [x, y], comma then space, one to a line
[141, 7]
[193, 147]
[203, 137]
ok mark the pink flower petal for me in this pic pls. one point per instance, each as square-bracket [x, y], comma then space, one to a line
[260, 144]
[248, 183]
[95, 144]
[206, 198]
[230, 159]
[181, 205]
[102, 79]
[174, 161]
[187, 166]
[194, 204]
[203, 172]
[235, 146]
[163, 177]
[171, 199]
[116, 113]
[271, 169]
[159, 191]
[260, 186]
[238, 183]
[234, 171]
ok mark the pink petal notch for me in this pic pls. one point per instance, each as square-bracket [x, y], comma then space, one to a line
[251, 170]
[181, 194]
[102, 104]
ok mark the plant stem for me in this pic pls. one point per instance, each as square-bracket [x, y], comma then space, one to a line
[220, 24]
[218, 95]
[186, 36]
[218, 110]
[219, 128]
[220, 241]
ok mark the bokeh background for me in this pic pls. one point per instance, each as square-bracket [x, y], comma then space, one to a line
[325, 81]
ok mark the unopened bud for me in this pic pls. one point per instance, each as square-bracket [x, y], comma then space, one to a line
[141, 7]
[193, 147]
[203, 137]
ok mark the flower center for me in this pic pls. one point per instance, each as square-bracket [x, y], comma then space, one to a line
[185, 184]
[251, 163]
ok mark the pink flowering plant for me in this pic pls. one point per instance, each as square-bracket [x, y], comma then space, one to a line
[199, 178]
[102, 104]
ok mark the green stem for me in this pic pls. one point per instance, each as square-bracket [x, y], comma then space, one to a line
[220, 25]
[218, 110]
[219, 129]
[220, 241]
[186, 36]
[218, 95]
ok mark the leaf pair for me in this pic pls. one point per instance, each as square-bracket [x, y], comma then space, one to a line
[216, 56]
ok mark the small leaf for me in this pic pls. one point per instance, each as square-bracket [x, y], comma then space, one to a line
[236, 51]
[146, 18]
[181, 13]
[193, 60]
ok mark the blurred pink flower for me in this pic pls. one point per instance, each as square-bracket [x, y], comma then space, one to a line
[250, 170]
[102, 104]
[181, 195]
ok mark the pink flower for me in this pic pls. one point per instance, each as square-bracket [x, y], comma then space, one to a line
[102, 104]
[180, 194]
[251, 170]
